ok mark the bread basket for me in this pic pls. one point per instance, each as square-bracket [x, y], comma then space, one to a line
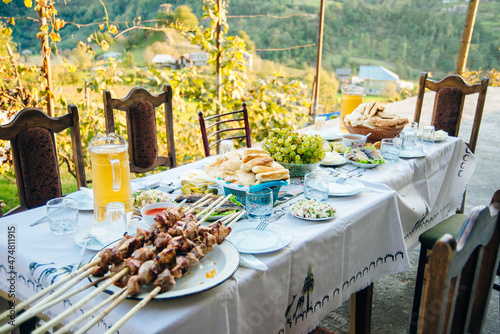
[239, 191]
[299, 170]
[377, 133]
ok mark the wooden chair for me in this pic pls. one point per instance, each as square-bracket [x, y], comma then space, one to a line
[34, 153]
[449, 104]
[461, 275]
[139, 106]
[447, 115]
[216, 120]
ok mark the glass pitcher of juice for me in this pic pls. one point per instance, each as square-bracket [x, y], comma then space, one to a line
[110, 173]
[352, 97]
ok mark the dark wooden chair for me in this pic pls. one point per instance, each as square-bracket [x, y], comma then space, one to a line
[222, 119]
[449, 104]
[31, 135]
[461, 275]
[139, 106]
[447, 116]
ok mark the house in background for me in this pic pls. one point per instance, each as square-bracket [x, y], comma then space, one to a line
[198, 58]
[183, 61]
[163, 60]
[376, 78]
[343, 75]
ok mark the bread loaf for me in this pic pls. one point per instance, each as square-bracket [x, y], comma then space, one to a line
[248, 151]
[263, 169]
[268, 161]
[282, 174]
[249, 157]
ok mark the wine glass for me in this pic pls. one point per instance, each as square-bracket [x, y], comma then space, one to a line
[259, 204]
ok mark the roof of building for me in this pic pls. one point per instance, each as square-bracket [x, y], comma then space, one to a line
[377, 73]
[163, 59]
[343, 71]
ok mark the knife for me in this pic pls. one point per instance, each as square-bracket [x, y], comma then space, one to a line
[250, 261]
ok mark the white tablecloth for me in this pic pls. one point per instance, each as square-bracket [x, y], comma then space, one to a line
[322, 266]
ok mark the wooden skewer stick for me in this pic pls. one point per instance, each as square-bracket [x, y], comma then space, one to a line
[205, 202]
[242, 212]
[46, 304]
[133, 311]
[75, 307]
[195, 204]
[220, 199]
[50, 301]
[87, 314]
[51, 287]
[213, 209]
[102, 314]
[225, 218]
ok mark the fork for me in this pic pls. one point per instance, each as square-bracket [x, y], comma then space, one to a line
[262, 226]
[80, 256]
[341, 180]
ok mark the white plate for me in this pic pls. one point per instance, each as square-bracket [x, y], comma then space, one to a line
[311, 219]
[249, 240]
[214, 269]
[348, 188]
[334, 164]
[93, 245]
[85, 203]
[411, 154]
[361, 165]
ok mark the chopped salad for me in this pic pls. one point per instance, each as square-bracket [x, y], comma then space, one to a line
[312, 209]
[145, 197]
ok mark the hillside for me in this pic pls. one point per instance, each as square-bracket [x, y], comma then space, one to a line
[407, 36]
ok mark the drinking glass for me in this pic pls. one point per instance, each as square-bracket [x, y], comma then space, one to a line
[390, 149]
[226, 146]
[409, 137]
[319, 122]
[259, 204]
[316, 186]
[428, 133]
[62, 214]
[352, 97]
[116, 216]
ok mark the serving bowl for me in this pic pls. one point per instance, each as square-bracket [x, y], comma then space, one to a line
[299, 170]
[239, 191]
[353, 140]
[150, 211]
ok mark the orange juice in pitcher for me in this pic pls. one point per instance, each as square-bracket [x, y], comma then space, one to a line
[352, 97]
[110, 173]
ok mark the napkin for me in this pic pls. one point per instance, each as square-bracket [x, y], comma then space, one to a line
[107, 232]
[336, 188]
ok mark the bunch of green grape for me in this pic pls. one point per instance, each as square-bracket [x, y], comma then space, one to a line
[290, 147]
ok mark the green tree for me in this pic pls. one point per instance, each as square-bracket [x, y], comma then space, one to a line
[308, 287]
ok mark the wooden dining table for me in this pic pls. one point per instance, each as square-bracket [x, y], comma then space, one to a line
[324, 264]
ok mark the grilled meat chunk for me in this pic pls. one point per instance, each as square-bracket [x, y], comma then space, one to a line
[143, 254]
[165, 281]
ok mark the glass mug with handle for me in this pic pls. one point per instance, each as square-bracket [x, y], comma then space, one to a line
[110, 173]
[352, 97]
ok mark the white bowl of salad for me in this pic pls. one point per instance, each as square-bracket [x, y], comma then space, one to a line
[310, 209]
[144, 197]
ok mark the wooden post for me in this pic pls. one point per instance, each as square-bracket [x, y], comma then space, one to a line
[218, 69]
[466, 36]
[315, 97]
[44, 41]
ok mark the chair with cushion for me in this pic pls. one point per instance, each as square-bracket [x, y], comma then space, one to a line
[447, 116]
[461, 275]
[240, 117]
[139, 106]
[31, 135]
